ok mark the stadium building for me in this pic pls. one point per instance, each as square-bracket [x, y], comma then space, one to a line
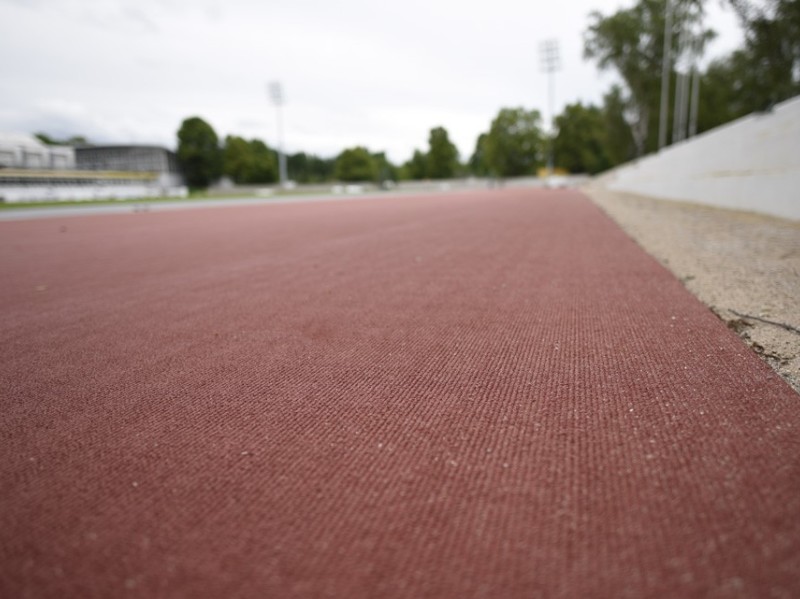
[32, 171]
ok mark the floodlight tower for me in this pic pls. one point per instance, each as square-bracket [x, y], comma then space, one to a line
[695, 100]
[687, 71]
[276, 93]
[678, 116]
[666, 69]
[551, 62]
[687, 76]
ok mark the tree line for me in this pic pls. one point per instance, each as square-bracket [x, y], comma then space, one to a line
[588, 138]
[513, 146]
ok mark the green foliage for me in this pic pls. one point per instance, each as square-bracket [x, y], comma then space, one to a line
[46, 139]
[767, 69]
[236, 159]
[416, 168]
[385, 170]
[308, 168]
[618, 144]
[199, 154]
[724, 95]
[75, 140]
[580, 146]
[442, 158]
[514, 144]
[477, 164]
[355, 164]
[265, 163]
[247, 162]
[631, 41]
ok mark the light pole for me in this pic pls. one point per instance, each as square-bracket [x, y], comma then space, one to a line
[551, 62]
[687, 72]
[695, 101]
[666, 68]
[276, 93]
[681, 92]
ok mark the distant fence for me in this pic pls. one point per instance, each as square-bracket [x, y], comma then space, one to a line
[86, 193]
[750, 164]
[424, 186]
[35, 185]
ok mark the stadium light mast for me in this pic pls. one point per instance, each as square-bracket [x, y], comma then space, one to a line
[694, 105]
[681, 115]
[276, 93]
[666, 69]
[551, 62]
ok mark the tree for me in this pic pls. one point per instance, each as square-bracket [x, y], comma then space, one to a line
[477, 164]
[74, 140]
[416, 168]
[767, 69]
[513, 146]
[618, 143]
[265, 163]
[237, 159]
[725, 94]
[442, 159]
[199, 154]
[385, 170]
[308, 168]
[355, 164]
[631, 41]
[764, 71]
[46, 139]
[580, 144]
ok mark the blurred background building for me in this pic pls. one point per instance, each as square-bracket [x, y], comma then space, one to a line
[31, 171]
[25, 151]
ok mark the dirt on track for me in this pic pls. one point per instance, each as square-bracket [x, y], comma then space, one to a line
[488, 394]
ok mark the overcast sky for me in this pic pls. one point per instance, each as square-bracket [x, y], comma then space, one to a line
[354, 72]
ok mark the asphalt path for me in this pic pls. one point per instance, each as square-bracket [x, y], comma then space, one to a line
[486, 394]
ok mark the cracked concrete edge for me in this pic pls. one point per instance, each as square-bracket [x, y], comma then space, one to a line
[703, 245]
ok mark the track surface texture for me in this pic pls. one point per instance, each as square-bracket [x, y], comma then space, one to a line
[492, 394]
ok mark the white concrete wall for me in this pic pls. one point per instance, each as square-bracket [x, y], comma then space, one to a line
[750, 164]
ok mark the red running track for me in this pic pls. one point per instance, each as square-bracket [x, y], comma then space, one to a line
[474, 395]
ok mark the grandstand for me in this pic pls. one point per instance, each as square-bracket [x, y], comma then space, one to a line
[26, 152]
[31, 171]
